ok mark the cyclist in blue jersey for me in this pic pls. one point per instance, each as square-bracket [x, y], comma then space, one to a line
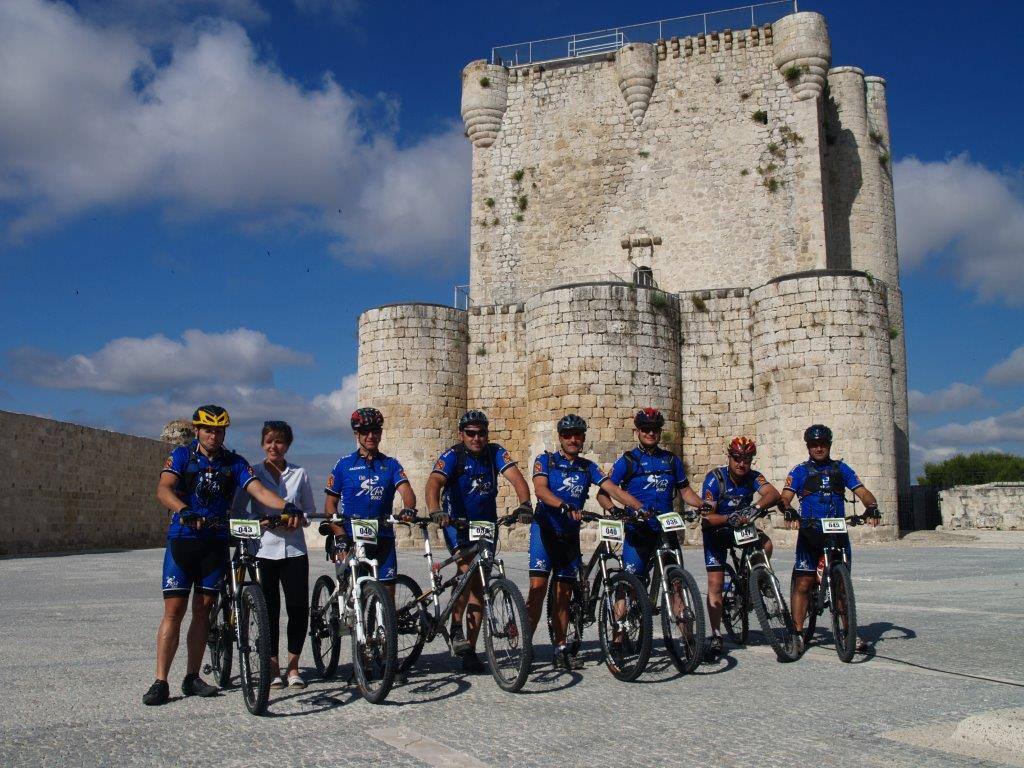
[464, 486]
[561, 482]
[726, 492]
[655, 477]
[198, 483]
[362, 486]
[821, 483]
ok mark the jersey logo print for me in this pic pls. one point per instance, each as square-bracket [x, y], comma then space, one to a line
[370, 488]
[171, 583]
[656, 483]
[479, 485]
[572, 485]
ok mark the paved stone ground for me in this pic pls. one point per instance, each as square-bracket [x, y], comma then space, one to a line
[76, 654]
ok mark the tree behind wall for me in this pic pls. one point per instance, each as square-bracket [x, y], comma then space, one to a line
[973, 469]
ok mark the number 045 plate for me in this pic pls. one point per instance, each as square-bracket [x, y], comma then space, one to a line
[833, 525]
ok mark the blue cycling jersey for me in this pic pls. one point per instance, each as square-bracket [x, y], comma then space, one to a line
[366, 488]
[470, 493]
[730, 495]
[652, 478]
[570, 481]
[207, 485]
[821, 486]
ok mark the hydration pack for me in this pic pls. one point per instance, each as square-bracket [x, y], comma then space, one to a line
[827, 479]
[633, 468]
[208, 484]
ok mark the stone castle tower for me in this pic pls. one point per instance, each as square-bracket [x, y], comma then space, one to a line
[705, 225]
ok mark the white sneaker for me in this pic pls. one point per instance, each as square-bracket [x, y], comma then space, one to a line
[295, 680]
[278, 682]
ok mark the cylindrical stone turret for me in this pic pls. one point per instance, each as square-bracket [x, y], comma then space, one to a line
[821, 355]
[412, 366]
[602, 350]
[803, 52]
[636, 66]
[484, 100]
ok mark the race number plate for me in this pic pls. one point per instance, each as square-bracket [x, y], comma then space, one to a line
[481, 530]
[364, 531]
[833, 525]
[671, 521]
[245, 529]
[612, 530]
[746, 534]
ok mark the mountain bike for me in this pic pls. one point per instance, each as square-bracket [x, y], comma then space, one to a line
[356, 605]
[835, 585]
[750, 583]
[239, 620]
[675, 596]
[616, 599]
[506, 633]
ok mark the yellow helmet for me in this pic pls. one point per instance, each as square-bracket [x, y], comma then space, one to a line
[211, 416]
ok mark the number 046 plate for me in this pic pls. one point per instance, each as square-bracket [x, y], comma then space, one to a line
[833, 525]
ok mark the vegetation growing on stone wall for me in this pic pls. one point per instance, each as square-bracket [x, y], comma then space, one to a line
[883, 158]
[518, 175]
[760, 116]
[522, 202]
[495, 221]
[659, 300]
[789, 136]
[481, 351]
[894, 332]
[698, 303]
[519, 217]
[875, 136]
[718, 79]
[870, 277]
[644, 153]
[793, 72]
[744, 96]
[489, 202]
[775, 149]
[745, 172]
[485, 82]
[974, 469]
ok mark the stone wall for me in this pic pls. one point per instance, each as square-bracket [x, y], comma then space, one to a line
[70, 488]
[999, 506]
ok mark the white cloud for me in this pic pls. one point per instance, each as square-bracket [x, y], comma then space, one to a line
[93, 121]
[249, 407]
[966, 216]
[951, 398]
[1004, 428]
[159, 21]
[157, 363]
[1008, 371]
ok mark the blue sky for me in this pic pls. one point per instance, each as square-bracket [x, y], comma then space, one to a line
[224, 185]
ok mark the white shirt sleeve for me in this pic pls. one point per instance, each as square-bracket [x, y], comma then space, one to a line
[305, 500]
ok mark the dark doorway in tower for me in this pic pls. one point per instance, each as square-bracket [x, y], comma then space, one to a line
[644, 277]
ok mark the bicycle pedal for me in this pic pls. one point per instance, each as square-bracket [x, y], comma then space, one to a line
[207, 669]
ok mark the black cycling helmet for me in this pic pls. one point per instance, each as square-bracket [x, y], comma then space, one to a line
[649, 417]
[473, 417]
[211, 416]
[571, 423]
[367, 418]
[818, 433]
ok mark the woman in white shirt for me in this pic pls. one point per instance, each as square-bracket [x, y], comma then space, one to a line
[283, 557]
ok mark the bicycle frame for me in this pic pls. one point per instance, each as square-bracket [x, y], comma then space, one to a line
[353, 585]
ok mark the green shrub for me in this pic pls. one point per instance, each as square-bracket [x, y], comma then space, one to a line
[489, 202]
[974, 469]
[793, 72]
[760, 116]
[485, 82]
[518, 175]
[522, 202]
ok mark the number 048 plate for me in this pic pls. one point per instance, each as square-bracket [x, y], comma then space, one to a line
[833, 525]
[611, 530]
[364, 531]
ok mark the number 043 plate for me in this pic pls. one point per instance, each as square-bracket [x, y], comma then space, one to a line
[245, 529]
[833, 525]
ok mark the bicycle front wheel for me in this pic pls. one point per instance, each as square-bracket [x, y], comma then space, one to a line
[254, 648]
[625, 626]
[221, 639]
[324, 628]
[408, 624]
[772, 613]
[375, 657]
[682, 619]
[577, 609]
[507, 636]
[734, 608]
[844, 612]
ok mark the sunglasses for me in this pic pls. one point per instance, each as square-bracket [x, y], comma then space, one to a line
[650, 430]
[741, 459]
[475, 432]
[369, 430]
[572, 435]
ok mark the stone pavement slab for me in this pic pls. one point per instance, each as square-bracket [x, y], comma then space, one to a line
[77, 646]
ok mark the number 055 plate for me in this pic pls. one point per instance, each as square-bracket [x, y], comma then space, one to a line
[833, 525]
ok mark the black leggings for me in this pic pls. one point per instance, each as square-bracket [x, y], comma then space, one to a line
[292, 574]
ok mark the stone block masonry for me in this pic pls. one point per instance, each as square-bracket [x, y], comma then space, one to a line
[998, 506]
[702, 224]
[70, 488]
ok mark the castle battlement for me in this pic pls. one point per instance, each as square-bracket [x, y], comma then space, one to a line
[704, 224]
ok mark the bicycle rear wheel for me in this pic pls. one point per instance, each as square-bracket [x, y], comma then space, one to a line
[625, 626]
[735, 615]
[772, 613]
[506, 636]
[682, 619]
[844, 612]
[408, 624]
[221, 639]
[254, 648]
[375, 658]
[577, 608]
[324, 628]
